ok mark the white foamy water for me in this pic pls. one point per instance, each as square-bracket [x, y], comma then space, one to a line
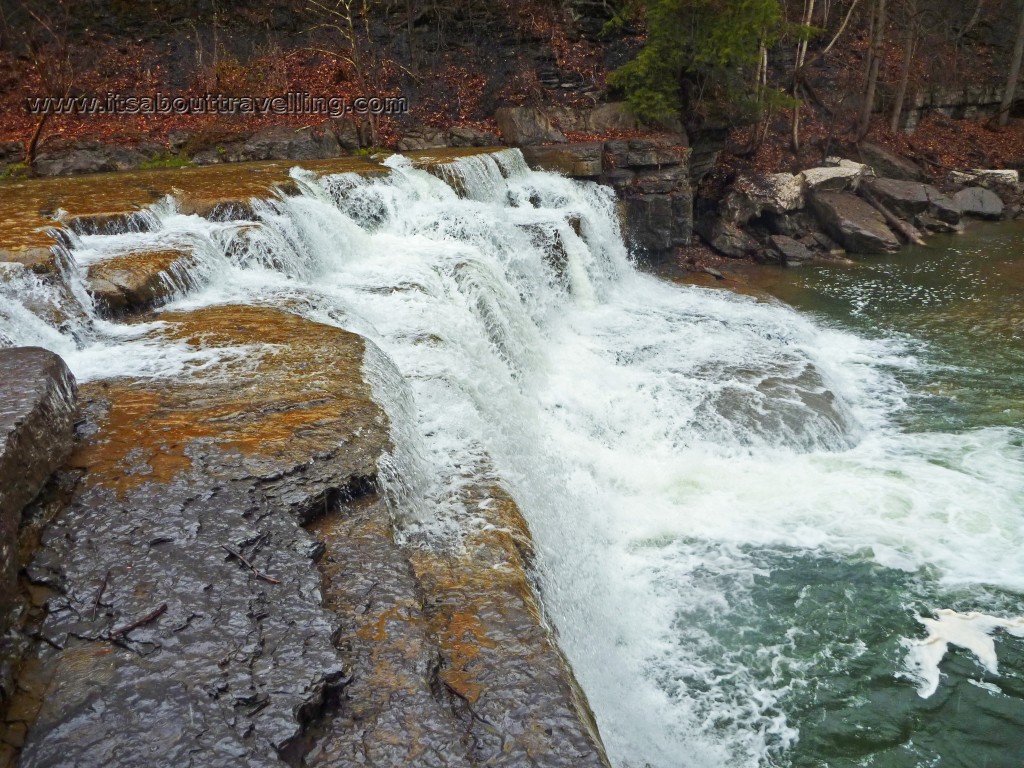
[652, 434]
[971, 631]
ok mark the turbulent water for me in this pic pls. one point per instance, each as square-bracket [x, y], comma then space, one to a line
[754, 540]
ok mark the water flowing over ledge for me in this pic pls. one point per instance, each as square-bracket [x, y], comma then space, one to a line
[675, 452]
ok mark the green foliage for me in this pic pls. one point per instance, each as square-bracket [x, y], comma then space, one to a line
[697, 54]
[166, 161]
[15, 171]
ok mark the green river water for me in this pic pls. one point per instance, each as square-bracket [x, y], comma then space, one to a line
[956, 310]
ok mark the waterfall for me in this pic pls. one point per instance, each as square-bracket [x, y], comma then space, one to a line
[669, 446]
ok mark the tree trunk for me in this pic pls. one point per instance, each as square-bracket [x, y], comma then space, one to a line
[876, 59]
[1011, 82]
[801, 57]
[908, 60]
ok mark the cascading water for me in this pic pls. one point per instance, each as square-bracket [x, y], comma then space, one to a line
[734, 531]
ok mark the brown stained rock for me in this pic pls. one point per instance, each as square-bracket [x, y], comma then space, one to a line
[519, 701]
[40, 260]
[380, 655]
[394, 711]
[27, 206]
[139, 281]
[582, 160]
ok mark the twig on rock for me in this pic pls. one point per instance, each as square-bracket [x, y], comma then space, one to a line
[250, 566]
[151, 616]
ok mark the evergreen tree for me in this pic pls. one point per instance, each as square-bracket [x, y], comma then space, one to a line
[701, 56]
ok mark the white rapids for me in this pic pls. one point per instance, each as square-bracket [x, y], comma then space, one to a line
[651, 433]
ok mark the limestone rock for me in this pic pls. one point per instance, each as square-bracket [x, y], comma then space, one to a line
[523, 126]
[984, 178]
[831, 178]
[980, 203]
[790, 251]
[468, 136]
[582, 160]
[853, 223]
[649, 152]
[725, 237]
[67, 157]
[281, 142]
[910, 198]
[888, 164]
[753, 196]
[140, 281]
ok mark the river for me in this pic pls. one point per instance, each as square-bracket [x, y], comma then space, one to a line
[747, 508]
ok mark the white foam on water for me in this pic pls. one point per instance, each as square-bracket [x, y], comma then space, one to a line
[971, 631]
[652, 434]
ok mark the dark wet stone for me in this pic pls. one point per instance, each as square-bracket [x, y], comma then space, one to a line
[790, 251]
[194, 620]
[910, 198]
[37, 406]
[857, 226]
[726, 238]
[172, 648]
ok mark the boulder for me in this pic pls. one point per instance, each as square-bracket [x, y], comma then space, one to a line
[468, 136]
[753, 196]
[911, 198]
[67, 157]
[831, 178]
[725, 237]
[140, 281]
[523, 126]
[790, 251]
[980, 203]
[888, 164]
[282, 142]
[853, 223]
[985, 178]
[351, 135]
[37, 414]
[11, 153]
[422, 137]
[612, 117]
[582, 160]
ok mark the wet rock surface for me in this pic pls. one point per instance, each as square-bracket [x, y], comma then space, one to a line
[185, 624]
[38, 398]
[139, 281]
[192, 619]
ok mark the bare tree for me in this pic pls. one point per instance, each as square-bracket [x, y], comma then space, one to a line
[909, 48]
[1011, 81]
[874, 62]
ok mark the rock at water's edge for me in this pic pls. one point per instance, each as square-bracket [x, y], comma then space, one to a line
[37, 407]
[979, 202]
[853, 223]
